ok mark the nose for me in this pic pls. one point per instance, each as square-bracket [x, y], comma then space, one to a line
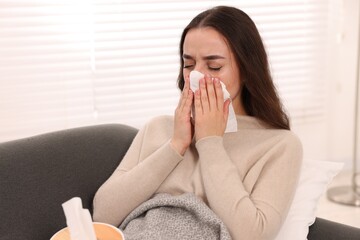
[201, 69]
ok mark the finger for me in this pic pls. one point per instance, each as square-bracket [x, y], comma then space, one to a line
[186, 82]
[190, 96]
[219, 94]
[184, 94]
[211, 93]
[188, 102]
[226, 109]
[204, 96]
[197, 104]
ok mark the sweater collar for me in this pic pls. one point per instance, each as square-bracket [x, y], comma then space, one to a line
[249, 122]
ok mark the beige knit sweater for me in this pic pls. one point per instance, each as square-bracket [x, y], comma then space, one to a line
[247, 178]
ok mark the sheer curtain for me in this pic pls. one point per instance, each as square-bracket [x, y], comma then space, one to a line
[73, 63]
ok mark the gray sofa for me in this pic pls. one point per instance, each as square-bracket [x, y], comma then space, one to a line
[39, 173]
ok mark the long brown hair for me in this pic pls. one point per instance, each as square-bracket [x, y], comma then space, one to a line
[259, 95]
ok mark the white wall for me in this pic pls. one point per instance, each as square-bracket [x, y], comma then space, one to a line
[332, 138]
[342, 80]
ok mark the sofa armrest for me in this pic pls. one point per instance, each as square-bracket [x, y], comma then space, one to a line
[327, 230]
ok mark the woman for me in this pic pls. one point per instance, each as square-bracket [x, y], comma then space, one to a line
[248, 178]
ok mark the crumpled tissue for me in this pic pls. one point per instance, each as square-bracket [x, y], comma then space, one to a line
[231, 125]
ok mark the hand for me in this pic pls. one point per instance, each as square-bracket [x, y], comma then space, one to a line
[183, 129]
[211, 112]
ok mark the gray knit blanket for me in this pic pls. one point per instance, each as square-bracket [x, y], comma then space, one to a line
[173, 217]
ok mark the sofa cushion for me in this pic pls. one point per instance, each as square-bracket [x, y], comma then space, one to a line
[314, 179]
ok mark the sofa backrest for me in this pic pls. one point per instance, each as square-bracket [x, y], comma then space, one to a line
[39, 173]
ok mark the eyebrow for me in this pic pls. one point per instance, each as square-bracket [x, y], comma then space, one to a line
[209, 57]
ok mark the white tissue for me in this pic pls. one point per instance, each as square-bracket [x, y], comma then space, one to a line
[78, 220]
[231, 125]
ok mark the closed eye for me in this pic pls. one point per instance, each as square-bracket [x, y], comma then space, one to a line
[215, 68]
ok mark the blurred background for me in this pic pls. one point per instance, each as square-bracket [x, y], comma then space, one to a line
[66, 64]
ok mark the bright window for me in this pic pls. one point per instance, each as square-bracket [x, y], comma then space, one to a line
[72, 63]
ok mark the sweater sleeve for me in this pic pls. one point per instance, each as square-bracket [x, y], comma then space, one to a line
[135, 180]
[257, 214]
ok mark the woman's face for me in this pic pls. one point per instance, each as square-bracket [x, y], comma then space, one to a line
[206, 50]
